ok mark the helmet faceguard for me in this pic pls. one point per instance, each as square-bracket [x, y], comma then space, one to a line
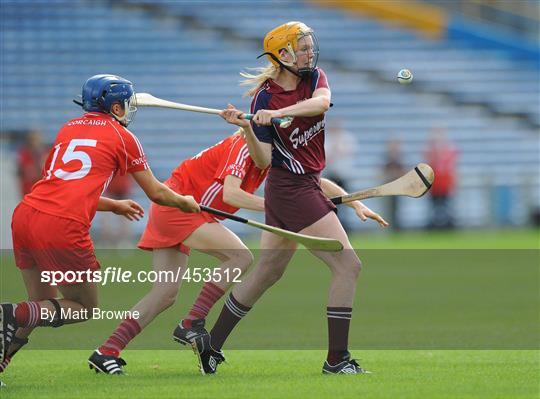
[100, 92]
[130, 109]
[299, 41]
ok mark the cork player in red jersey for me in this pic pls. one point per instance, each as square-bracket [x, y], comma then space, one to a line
[224, 177]
[50, 226]
[296, 198]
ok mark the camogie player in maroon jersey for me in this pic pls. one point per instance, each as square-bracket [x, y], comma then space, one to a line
[296, 198]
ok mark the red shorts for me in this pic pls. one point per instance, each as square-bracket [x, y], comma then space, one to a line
[168, 227]
[50, 243]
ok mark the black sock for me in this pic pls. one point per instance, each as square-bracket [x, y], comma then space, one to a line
[232, 312]
[339, 320]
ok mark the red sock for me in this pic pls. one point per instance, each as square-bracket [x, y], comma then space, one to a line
[28, 314]
[125, 332]
[4, 364]
[208, 296]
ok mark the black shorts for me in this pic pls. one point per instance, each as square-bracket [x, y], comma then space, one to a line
[292, 201]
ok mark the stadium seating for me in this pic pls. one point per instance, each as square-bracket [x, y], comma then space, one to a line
[192, 53]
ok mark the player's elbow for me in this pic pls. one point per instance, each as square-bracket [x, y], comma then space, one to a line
[157, 198]
[263, 161]
[325, 103]
[158, 195]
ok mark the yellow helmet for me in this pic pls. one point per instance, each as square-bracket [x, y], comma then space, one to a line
[286, 37]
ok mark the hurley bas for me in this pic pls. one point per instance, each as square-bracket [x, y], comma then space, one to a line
[49, 316]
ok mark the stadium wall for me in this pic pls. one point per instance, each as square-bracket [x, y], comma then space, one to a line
[483, 35]
[427, 19]
[437, 23]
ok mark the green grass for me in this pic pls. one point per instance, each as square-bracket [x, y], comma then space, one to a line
[280, 374]
[458, 239]
[453, 239]
[437, 315]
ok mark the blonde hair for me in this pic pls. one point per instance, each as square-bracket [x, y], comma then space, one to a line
[258, 78]
[240, 131]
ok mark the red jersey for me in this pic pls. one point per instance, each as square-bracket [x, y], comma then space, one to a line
[86, 154]
[203, 175]
[298, 148]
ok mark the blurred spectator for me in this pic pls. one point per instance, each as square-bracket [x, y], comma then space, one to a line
[441, 154]
[341, 148]
[116, 232]
[31, 157]
[393, 168]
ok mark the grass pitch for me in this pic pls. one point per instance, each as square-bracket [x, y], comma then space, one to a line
[279, 374]
[435, 317]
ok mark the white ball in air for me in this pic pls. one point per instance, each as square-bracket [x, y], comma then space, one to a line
[405, 77]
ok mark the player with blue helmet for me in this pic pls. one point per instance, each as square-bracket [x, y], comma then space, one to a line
[100, 92]
[51, 225]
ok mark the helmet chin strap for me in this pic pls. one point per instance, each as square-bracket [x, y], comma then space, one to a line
[121, 119]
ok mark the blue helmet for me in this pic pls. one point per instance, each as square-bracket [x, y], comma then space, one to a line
[100, 92]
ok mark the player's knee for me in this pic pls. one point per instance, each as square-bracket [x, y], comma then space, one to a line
[354, 267]
[244, 259]
[349, 269]
[357, 265]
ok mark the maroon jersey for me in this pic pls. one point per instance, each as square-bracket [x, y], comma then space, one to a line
[298, 148]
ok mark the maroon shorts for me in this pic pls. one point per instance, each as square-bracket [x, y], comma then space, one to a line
[292, 201]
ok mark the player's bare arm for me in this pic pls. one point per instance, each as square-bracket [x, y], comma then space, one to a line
[163, 195]
[331, 189]
[235, 196]
[318, 104]
[260, 152]
[127, 208]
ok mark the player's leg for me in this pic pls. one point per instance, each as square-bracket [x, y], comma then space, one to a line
[67, 248]
[37, 291]
[162, 295]
[345, 268]
[216, 240]
[18, 320]
[78, 301]
[276, 253]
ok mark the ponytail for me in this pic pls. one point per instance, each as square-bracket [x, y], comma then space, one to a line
[260, 76]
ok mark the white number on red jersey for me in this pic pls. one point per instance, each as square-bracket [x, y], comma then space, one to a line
[71, 155]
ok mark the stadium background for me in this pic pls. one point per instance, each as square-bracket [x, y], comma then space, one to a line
[476, 76]
[475, 66]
